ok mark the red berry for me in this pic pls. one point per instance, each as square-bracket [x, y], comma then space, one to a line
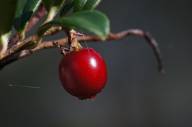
[83, 73]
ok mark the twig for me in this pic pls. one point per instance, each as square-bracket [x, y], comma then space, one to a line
[11, 56]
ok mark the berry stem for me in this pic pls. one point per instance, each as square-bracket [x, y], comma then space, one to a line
[11, 56]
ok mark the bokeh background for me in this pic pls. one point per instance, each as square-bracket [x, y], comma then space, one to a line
[136, 95]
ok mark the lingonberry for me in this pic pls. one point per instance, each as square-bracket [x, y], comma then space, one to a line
[83, 73]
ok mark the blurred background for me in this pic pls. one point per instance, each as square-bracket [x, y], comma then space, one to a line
[136, 95]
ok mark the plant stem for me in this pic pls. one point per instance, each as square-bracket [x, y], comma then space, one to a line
[11, 54]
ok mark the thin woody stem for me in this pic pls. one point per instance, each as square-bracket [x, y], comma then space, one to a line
[11, 56]
[149, 39]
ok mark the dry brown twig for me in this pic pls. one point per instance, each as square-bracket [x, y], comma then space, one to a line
[14, 53]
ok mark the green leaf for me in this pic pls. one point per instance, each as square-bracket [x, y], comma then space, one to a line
[19, 8]
[91, 4]
[32, 5]
[66, 7]
[18, 13]
[90, 21]
[22, 17]
[79, 4]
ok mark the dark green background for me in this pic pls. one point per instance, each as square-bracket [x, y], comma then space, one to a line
[136, 95]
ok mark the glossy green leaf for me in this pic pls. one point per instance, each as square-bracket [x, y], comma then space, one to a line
[79, 4]
[28, 10]
[91, 4]
[90, 21]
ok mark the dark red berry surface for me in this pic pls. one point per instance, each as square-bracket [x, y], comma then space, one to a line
[83, 73]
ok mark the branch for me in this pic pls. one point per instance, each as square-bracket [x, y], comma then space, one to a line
[12, 55]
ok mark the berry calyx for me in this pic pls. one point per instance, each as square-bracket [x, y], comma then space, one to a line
[83, 73]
